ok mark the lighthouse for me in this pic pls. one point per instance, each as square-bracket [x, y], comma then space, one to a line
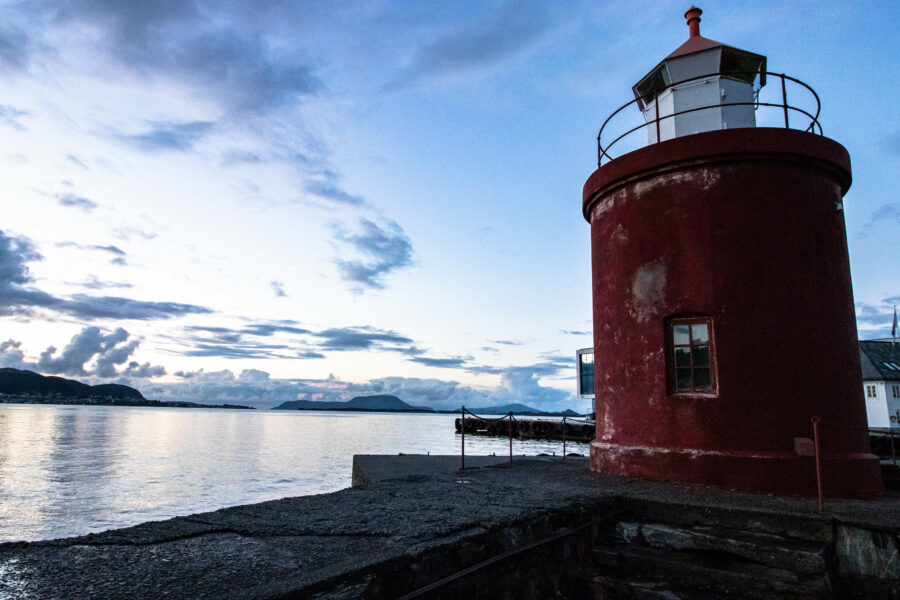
[722, 303]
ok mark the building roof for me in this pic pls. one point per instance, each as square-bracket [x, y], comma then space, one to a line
[696, 43]
[878, 358]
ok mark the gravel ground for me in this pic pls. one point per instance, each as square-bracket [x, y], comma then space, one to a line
[413, 503]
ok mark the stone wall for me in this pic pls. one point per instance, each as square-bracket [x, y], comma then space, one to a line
[648, 550]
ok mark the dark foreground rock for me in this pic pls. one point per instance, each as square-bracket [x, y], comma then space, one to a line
[541, 528]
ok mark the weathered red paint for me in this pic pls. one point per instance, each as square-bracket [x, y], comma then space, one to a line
[744, 226]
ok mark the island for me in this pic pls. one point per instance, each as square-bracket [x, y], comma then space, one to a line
[27, 387]
[389, 403]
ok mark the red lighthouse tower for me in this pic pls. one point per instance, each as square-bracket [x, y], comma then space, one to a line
[722, 304]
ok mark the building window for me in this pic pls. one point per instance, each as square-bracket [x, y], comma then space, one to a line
[896, 390]
[692, 356]
[870, 391]
[585, 366]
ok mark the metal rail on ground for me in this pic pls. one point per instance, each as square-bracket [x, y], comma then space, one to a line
[509, 554]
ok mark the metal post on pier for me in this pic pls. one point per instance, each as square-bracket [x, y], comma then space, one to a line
[462, 429]
[564, 438]
[815, 422]
[893, 449]
[510, 436]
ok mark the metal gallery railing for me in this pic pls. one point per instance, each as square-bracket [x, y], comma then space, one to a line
[812, 126]
[510, 418]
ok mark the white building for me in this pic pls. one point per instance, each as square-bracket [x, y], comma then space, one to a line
[881, 382]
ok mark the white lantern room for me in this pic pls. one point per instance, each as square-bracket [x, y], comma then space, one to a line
[703, 85]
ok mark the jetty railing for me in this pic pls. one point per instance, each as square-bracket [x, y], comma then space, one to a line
[817, 425]
[510, 418]
[813, 125]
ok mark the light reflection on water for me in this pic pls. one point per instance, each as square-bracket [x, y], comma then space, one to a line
[70, 470]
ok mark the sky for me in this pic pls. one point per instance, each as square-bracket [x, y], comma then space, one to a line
[225, 201]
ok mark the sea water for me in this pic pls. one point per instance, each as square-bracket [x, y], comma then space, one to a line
[71, 470]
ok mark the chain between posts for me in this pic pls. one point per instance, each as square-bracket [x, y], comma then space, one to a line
[510, 416]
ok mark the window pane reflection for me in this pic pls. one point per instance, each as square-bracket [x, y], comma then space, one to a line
[699, 334]
[701, 356]
[682, 357]
[681, 334]
[683, 379]
[701, 379]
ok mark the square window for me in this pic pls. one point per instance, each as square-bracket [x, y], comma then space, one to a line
[691, 356]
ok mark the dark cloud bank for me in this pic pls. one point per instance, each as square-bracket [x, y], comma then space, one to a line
[18, 296]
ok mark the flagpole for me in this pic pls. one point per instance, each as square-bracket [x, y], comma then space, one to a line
[894, 329]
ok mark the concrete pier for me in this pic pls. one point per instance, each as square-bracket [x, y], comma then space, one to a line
[530, 530]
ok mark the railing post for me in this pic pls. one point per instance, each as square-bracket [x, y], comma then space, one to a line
[893, 450]
[462, 428]
[510, 436]
[815, 422]
[784, 103]
[599, 152]
[564, 438]
[656, 102]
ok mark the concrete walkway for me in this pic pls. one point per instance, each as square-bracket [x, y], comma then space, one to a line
[333, 543]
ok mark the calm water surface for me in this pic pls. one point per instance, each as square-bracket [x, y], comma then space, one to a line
[70, 470]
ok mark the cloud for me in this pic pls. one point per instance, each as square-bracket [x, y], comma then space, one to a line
[364, 338]
[278, 288]
[885, 214]
[92, 283]
[241, 157]
[15, 48]
[573, 332]
[108, 248]
[258, 388]
[515, 27]
[9, 115]
[144, 370]
[234, 343]
[208, 47]
[74, 201]
[76, 161]
[875, 320]
[168, 136]
[446, 363]
[506, 342]
[385, 248]
[12, 355]
[328, 190]
[268, 328]
[127, 232]
[96, 353]
[16, 297]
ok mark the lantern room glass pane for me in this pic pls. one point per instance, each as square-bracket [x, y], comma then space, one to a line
[681, 335]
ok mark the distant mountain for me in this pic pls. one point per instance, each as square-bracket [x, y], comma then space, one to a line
[32, 388]
[382, 402]
[18, 382]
